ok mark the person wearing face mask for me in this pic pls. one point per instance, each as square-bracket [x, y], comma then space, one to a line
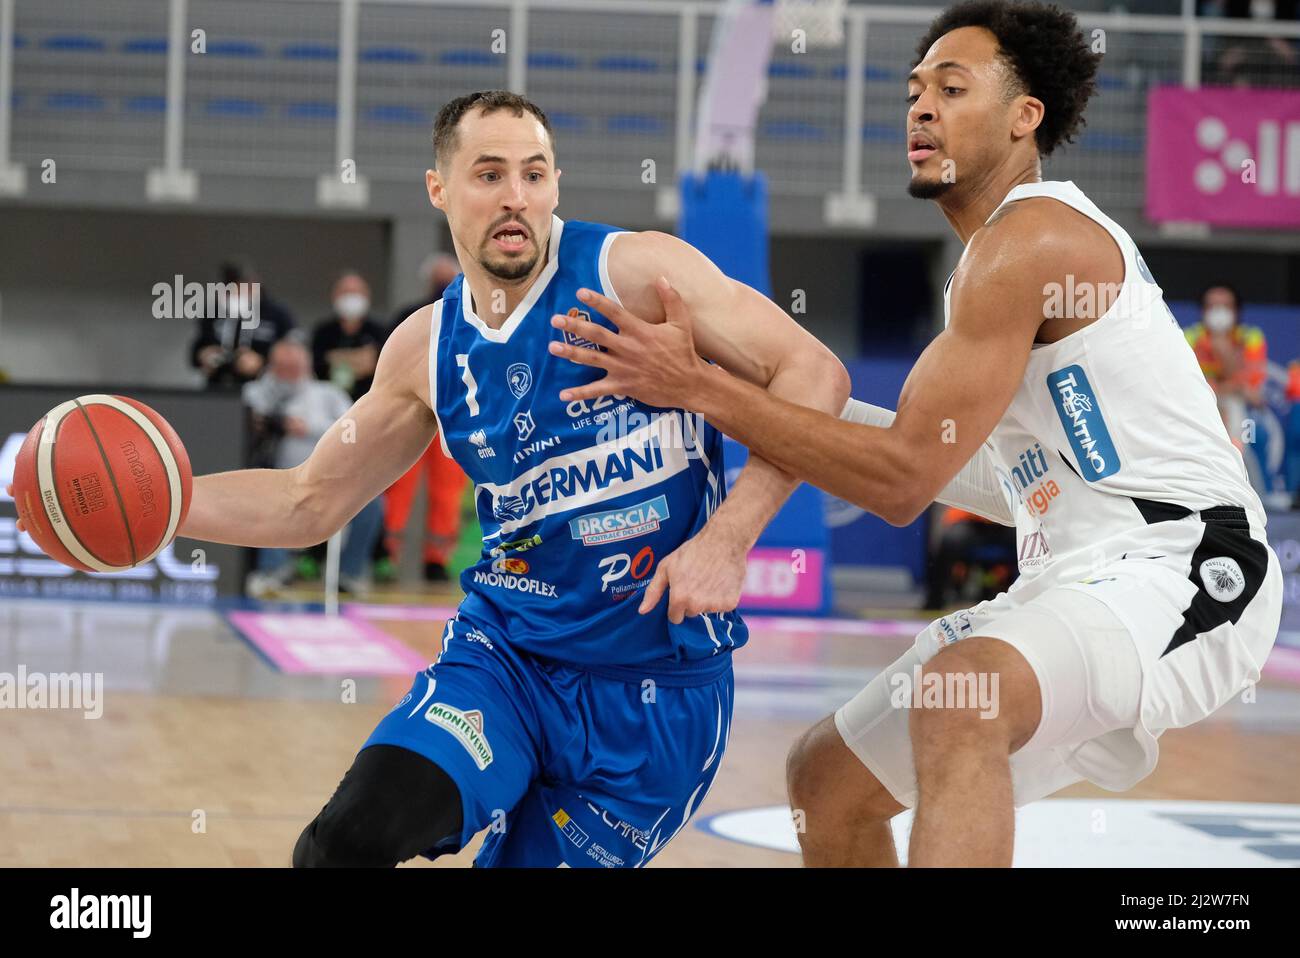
[232, 346]
[1233, 356]
[345, 346]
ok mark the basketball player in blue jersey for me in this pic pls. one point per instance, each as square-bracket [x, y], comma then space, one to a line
[581, 700]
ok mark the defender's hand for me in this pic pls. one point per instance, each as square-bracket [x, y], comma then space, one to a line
[653, 362]
[704, 574]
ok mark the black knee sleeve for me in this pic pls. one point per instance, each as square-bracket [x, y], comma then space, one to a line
[392, 805]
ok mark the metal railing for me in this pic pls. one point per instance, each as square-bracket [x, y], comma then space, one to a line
[345, 91]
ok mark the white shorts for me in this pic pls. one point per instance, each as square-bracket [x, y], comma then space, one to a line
[1156, 640]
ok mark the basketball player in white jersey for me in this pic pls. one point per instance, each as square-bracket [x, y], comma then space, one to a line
[1062, 399]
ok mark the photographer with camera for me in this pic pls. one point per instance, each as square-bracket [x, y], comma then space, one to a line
[231, 347]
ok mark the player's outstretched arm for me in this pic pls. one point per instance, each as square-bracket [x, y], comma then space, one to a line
[746, 334]
[384, 432]
[958, 390]
[750, 336]
[976, 488]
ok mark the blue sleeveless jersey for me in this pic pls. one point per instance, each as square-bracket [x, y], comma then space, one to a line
[578, 501]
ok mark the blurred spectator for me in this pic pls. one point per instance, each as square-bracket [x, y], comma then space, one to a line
[1233, 356]
[1234, 359]
[1252, 61]
[1293, 434]
[291, 412]
[345, 346]
[437, 273]
[230, 350]
[444, 480]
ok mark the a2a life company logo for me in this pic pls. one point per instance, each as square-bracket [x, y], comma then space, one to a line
[614, 525]
[1085, 426]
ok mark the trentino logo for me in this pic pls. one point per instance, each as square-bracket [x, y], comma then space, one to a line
[1081, 417]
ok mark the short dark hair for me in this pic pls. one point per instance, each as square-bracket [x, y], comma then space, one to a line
[1236, 295]
[489, 101]
[238, 270]
[1046, 52]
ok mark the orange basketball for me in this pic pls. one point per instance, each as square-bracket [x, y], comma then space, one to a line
[102, 483]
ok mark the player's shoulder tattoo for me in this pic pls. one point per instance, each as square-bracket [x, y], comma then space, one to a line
[1026, 209]
[1001, 213]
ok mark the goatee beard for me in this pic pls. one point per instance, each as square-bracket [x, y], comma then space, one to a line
[927, 189]
[510, 271]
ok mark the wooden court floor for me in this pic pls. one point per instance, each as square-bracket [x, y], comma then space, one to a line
[205, 755]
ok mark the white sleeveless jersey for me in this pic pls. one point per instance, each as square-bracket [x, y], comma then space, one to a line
[1111, 425]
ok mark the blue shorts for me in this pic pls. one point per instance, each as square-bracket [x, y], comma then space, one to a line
[561, 765]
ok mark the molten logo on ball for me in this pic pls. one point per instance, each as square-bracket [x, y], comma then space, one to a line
[143, 481]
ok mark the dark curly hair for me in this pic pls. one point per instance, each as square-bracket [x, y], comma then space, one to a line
[489, 101]
[1045, 51]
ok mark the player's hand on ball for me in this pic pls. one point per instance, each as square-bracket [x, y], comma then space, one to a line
[653, 362]
[704, 574]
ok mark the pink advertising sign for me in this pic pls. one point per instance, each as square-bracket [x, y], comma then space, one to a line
[781, 579]
[311, 642]
[1227, 157]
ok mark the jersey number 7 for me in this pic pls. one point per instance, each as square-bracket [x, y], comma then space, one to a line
[471, 387]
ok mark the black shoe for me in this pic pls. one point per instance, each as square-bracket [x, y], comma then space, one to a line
[436, 572]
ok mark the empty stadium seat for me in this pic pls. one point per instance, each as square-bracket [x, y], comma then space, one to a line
[234, 48]
[146, 45]
[390, 55]
[77, 42]
[309, 51]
